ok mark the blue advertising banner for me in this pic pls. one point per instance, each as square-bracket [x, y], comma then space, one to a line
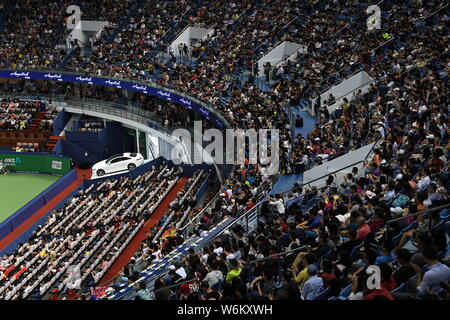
[149, 90]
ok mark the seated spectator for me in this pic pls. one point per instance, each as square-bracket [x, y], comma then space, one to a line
[387, 255]
[363, 228]
[143, 293]
[404, 269]
[436, 274]
[313, 285]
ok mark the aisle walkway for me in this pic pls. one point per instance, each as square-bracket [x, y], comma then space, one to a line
[286, 182]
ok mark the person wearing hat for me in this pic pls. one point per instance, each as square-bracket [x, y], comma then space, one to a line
[314, 285]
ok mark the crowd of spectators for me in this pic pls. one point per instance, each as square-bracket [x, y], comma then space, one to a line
[406, 109]
[161, 239]
[339, 231]
[17, 115]
[31, 41]
[85, 236]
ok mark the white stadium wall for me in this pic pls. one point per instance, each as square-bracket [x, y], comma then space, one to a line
[359, 81]
[310, 177]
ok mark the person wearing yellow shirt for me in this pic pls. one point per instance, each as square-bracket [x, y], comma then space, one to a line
[303, 260]
[345, 105]
[234, 272]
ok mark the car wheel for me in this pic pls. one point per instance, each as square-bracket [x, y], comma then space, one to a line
[100, 172]
[131, 166]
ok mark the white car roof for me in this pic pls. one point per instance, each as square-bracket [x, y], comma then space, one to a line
[125, 154]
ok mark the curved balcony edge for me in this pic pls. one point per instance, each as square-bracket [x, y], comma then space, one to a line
[149, 88]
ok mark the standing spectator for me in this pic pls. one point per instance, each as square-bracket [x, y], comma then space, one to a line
[267, 68]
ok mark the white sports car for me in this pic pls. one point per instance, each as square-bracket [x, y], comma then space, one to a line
[117, 164]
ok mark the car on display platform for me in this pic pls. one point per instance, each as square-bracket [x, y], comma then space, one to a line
[118, 163]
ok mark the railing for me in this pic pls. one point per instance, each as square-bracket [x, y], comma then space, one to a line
[275, 256]
[111, 108]
[188, 228]
[369, 154]
[246, 215]
[424, 212]
[151, 84]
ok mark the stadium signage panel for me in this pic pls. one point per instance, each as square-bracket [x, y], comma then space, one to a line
[36, 162]
[140, 88]
[54, 76]
[25, 75]
[113, 83]
[185, 102]
[153, 91]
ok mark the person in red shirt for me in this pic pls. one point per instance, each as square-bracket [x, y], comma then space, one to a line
[387, 281]
[186, 289]
[54, 294]
[373, 294]
[326, 273]
[377, 222]
[363, 228]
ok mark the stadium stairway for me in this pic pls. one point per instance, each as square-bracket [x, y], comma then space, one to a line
[81, 175]
[34, 125]
[51, 143]
[159, 267]
[126, 255]
[286, 182]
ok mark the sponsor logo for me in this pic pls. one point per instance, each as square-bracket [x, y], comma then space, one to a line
[185, 102]
[26, 75]
[54, 76]
[57, 165]
[140, 88]
[86, 79]
[204, 112]
[164, 94]
[11, 162]
[113, 83]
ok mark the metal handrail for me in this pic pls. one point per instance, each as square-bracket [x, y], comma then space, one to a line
[334, 172]
[152, 84]
[418, 213]
[250, 262]
[219, 233]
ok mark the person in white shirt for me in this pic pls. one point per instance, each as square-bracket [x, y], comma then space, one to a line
[278, 203]
[424, 181]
